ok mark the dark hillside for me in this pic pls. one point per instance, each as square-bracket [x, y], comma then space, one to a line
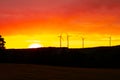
[99, 57]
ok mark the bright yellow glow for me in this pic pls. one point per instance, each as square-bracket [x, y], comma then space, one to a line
[52, 40]
[35, 45]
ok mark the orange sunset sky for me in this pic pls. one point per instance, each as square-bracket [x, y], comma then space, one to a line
[25, 22]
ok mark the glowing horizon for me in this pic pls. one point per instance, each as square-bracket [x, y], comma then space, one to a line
[75, 41]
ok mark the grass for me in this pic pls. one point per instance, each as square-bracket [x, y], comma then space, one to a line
[44, 72]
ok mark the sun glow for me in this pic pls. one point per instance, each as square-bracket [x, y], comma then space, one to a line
[35, 45]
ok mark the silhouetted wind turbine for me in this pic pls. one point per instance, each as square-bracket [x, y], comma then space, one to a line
[83, 42]
[68, 40]
[60, 40]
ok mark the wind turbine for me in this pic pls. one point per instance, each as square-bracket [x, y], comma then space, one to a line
[83, 42]
[68, 40]
[60, 40]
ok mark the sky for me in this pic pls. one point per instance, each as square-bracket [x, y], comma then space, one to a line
[25, 22]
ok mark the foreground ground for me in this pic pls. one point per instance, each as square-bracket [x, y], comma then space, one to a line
[42, 72]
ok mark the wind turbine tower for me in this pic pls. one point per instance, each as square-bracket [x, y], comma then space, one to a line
[68, 40]
[60, 40]
[83, 42]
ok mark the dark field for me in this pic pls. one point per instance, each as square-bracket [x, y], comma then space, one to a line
[43, 72]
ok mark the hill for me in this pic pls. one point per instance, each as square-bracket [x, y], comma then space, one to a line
[98, 57]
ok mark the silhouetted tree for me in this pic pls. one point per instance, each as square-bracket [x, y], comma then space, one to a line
[2, 43]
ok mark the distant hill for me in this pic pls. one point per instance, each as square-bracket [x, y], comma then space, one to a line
[99, 57]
